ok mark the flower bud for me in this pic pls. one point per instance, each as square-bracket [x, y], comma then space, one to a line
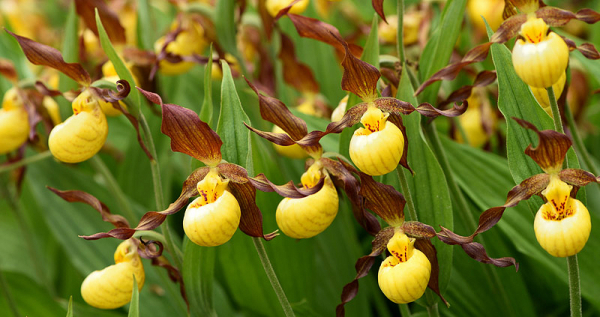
[291, 151]
[212, 218]
[52, 108]
[112, 287]
[306, 217]
[189, 41]
[14, 122]
[562, 225]
[541, 95]
[377, 148]
[539, 60]
[274, 6]
[403, 276]
[83, 134]
[340, 110]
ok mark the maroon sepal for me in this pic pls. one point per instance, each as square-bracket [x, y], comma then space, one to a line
[110, 20]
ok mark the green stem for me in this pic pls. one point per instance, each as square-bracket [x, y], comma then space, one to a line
[36, 258]
[574, 289]
[6, 291]
[25, 161]
[558, 127]
[150, 235]
[113, 187]
[158, 193]
[404, 310]
[406, 190]
[572, 265]
[579, 146]
[432, 309]
[266, 263]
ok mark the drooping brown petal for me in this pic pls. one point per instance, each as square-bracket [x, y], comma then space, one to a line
[588, 16]
[41, 87]
[282, 139]
[508, 29]
[7, 69]
[238, 174]
[396, 119]
[266, 18]
[350, 118]
[275, 111]
[395, 106]
[174, 275]
[418, 230]
[382, 199]
[430, 252]
[153, 219]
[110, 20]
[555, 16]
[589, 51]
[551, 150]
[475, 55]
[342, 173]
[40, 54]
[296, 73]
[577, 177]
[483, 79]
[359, 77]
[321, 31]
[378, 6]
[363, 266]
[189, 134]
[251, 221]
[86, 198]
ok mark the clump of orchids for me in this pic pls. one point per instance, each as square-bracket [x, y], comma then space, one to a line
[84, 133]
[562, 224]
[113, 286]
[226, 193]
[540, 57]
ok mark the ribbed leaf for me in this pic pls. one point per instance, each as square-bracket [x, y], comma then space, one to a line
[134, 305]
[70, 48]
[198, 276]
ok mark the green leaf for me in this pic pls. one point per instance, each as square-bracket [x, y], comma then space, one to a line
[236, 137]
[70, 48]
[206, 113]
[70, 307]
[198, 277]
[134, 305]
[227, 27]
[145, 27]
[428, 186]
[440, 45]
[370, 55]
[120, 67]
[29, 297]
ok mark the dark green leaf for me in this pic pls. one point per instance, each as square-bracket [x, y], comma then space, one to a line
[134, 305]
[198, 276]
[70, 48]
[206, 113]
[145, 27]
[70, 307]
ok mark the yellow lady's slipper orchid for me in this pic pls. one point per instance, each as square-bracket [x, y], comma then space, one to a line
[274, 6]
[541, 95]
[473, 119]
[306, 217]
[403, 276]
[491, 10]
[292, 151]
[83, 134]
[377, 148]
[112, 287]
[212, 218]
[411, 23]
[14, 122]
[340, 110]
[562, 225]
[540, 59]
[189, 41]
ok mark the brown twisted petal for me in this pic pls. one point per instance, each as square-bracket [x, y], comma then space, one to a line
[430, 252]
[153, 219]
[350, 118]
[484, 78]
[551, 150]
[40, 54]
[363, 266]
[238, 174]
[189, 134]
[251, 220]
[378, 6]
[7, 69]
[296, 73]
[83, 197]
[342, 173]
[359, 77]
[577, 177]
